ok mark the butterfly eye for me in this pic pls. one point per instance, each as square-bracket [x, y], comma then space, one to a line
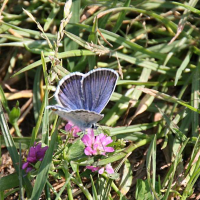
[54, 109]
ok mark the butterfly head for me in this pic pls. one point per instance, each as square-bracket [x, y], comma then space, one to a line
[85, 126]
[94, 126]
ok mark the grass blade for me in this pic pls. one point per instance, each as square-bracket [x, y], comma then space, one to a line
[51, 17]
[36, 93]
[66, 54]
[44, 167]
[133, 46]
[4, 100]
[70, 44]
[119, 108]
[192, 9]
[183, 66]
[121, 17]
[151, 161]
[195, 100]
[93, 39]
[168, 98]
[12, 149]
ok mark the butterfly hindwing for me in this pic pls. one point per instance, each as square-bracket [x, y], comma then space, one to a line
[81, 118]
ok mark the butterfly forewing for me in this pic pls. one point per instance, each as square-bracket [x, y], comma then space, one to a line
[98, 87]
[69, 93]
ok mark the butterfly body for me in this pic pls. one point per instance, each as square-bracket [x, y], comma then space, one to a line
[82, 97]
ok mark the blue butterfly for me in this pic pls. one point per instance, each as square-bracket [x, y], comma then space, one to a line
[82, 97]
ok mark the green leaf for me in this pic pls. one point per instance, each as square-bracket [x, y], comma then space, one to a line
[127, 178]
[14, 114]
[76, 150]
[8, 182]
[143, 191]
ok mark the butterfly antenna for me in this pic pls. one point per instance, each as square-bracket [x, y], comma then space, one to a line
[98, 131]
[51, 97]
[101, 128]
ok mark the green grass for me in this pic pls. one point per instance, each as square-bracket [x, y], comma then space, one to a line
[152, 117]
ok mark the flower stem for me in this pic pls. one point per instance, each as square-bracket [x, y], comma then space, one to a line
[16, 127]
[67, 177]
[83, 189]
[69, 191]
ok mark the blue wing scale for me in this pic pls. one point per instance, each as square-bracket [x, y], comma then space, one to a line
[69, 93]
[98, 87]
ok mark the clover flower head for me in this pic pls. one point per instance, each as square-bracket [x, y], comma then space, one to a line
[70, 127]
[96, 145]
[36, 153]
[108, 168]
[92, 168]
